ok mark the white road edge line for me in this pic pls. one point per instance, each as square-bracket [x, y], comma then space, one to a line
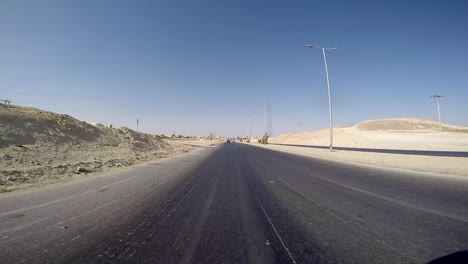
[379, 196]
[396, 201]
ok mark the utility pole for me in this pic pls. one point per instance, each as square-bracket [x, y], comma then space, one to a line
[268, 124]
[264, 119]
[437, 97]
[329, 93]
[299, 127]
[250, 121]
[137, 124]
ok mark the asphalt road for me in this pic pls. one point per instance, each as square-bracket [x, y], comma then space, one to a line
[239, 204]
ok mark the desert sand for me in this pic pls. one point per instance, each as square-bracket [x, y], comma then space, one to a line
[401, 133]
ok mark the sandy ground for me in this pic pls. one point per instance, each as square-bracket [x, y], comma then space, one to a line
[405, 134]
[38, 148]
[202, 142]
[393, 137]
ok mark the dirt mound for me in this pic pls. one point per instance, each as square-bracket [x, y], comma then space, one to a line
[37, 145]
[307, 137]
[25, 125]
[398, 124]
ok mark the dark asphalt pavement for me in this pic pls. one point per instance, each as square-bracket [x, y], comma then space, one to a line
[239, 204]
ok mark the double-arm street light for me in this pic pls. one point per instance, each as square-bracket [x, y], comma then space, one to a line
[329, 94]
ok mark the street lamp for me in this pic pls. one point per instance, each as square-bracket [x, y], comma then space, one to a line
[437, 97]
[329, 94]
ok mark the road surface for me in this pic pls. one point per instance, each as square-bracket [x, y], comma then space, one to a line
[239, 204]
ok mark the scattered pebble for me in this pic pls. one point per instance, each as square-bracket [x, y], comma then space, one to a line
[7, 157]
[81, 170]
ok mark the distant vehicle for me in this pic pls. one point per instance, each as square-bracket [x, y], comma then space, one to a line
[228, 140]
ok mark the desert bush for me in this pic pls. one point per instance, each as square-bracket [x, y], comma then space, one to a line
[264, 139]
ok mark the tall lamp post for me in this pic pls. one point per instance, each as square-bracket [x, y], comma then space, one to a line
[437, 97]
[329, 94]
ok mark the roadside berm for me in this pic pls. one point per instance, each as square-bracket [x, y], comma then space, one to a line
[38, 147]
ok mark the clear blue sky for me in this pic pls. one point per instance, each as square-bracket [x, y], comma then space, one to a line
[200, 66]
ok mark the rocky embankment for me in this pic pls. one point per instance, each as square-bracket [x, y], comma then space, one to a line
[39, 147]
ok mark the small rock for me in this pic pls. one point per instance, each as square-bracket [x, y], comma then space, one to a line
[81, 170]
[21, 146]
[37, 163]
[59, 166]
[7, 157]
